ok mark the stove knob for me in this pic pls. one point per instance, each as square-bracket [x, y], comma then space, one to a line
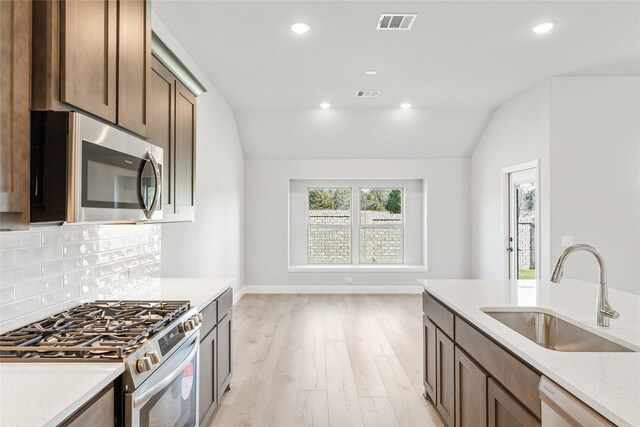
[187, 326]
[196, 320]
[144, 364]
[153, 356]
[200, 318]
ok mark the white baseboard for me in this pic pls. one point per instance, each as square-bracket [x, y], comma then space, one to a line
[374, 289]
[237, 294]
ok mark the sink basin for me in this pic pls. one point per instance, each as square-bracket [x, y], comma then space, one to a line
[551, 332]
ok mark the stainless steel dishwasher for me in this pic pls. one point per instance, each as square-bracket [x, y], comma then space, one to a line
[562, 409]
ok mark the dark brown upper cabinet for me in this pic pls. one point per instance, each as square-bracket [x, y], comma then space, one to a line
[172, 120]
[161, 127]
[185, 164]
[94, 56]
[15, 67]
[134, 64]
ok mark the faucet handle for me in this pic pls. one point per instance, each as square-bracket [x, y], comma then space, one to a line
[609, 312]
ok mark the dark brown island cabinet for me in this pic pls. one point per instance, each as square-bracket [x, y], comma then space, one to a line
[215, 354]
[471, 379]
[172, 122]
[94, 56]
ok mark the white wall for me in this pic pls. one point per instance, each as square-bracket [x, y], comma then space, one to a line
[213, 244]
[595, 174]
[517, 133]
[416, 133]
[586, 133]
[45, 270]
[267, 184]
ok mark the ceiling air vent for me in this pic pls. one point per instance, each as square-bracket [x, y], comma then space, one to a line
[396, 21]
[367, 93]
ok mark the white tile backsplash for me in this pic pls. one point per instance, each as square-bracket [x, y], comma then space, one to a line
[46, 270]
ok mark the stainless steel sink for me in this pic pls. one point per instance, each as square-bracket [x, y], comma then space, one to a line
[550, 332]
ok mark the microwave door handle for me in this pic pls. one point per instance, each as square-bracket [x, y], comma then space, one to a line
[156, 195]
[141, 400]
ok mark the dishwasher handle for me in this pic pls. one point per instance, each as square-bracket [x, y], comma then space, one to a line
[562, 409]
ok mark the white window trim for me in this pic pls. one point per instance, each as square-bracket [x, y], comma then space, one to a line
[357, 268]
[421, 267]
[355, 226]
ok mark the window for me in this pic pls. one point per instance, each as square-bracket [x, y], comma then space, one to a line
[381, 226]
[366, 224]
[329, 225]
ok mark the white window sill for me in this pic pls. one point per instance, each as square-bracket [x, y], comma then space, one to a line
[350, 268]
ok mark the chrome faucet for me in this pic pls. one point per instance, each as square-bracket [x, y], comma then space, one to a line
[604, 312]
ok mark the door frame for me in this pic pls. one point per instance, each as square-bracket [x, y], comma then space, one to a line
[534, 164]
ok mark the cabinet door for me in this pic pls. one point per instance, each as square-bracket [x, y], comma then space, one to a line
[88, 56]
[208, 383]
[134, 64]
[505, 411]
[185, 151]
[15, 69]
[429, 366]
[445, 377]
[224, 353]
[471, 392]
[161, 127]
[98, 412]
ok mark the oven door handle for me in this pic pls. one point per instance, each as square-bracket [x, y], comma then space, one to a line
[144, 398]
[158, 191]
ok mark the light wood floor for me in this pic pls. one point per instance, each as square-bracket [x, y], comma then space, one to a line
[327, 360]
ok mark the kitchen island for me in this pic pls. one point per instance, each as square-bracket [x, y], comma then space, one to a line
[607, 382]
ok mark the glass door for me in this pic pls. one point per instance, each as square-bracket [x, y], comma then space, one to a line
[523, 221]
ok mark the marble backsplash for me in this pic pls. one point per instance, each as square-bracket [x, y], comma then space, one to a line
[46, 270]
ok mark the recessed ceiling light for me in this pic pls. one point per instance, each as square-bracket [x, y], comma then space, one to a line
[325, 105]
[405, 105]
[371, 72]
[543, 28]
[300, 27]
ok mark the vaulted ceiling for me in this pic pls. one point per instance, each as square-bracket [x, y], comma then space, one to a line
[460, 60]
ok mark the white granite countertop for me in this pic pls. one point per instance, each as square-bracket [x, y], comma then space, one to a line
[608, 382]
[45, 394]
[200, 291]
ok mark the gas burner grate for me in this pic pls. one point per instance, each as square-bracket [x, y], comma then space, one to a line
[95, 330]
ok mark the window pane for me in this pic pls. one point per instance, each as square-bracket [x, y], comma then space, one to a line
[381, 245]
[329, 245]
[380, 206]
[329, 206]
[526, 232]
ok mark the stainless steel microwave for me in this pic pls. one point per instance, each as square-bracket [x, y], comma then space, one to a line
[83, 170]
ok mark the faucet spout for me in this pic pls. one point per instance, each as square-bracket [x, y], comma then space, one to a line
[604, 312]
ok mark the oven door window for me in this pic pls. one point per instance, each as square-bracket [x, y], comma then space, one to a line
[111, 179]
[176, 404]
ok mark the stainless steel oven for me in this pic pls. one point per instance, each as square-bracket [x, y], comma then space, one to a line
[169, 396]
[83, 170]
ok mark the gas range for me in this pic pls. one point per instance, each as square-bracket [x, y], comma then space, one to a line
[142, 334]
